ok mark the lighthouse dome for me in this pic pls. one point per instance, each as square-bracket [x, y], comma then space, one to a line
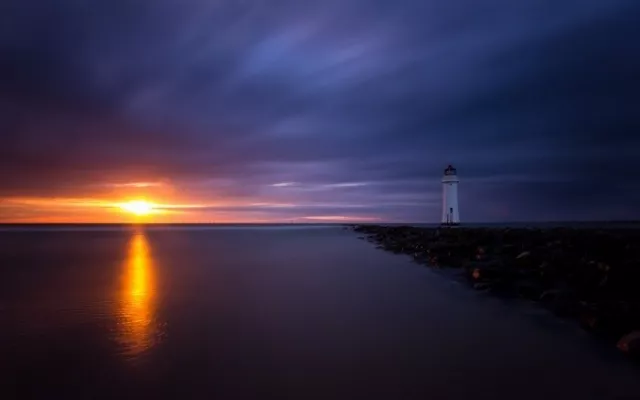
[450, 170]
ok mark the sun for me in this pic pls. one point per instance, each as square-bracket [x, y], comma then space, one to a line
[137, 207]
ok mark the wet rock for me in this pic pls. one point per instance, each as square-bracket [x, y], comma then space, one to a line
[482, 271]
[502, 288]
[608, 319]
[630, 344]
[562, 303]
[530, 290]
[476, 274]
[482, 286]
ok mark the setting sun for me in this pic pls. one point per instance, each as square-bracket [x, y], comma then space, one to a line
[138, 207]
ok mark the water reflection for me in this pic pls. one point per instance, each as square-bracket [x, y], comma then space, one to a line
[139, 330]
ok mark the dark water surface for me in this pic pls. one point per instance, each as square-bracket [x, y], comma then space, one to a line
[281, 312]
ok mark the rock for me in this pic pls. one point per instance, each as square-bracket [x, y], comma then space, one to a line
[609, 319]
[527, 289]
[630, 344]
[509, 249]
[502, 288]
[481, 286]
[481, 253]
[561, 303]
[549, 295]
[482, 272]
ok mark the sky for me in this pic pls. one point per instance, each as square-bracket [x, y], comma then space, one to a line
[308, 111]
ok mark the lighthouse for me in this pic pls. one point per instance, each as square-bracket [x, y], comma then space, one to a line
[450, 214]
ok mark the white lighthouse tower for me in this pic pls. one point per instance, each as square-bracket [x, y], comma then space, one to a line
[450, 214]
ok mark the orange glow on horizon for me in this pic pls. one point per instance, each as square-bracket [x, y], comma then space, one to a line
[141, 208]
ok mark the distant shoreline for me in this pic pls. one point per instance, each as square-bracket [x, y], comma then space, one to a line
[173, 224]
[538, 224]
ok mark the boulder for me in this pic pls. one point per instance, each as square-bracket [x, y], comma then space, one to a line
[563, 303]
[630, 344]
[503, 288]
[482, 286]
[528, 289]
[608, 319]
[482, 271]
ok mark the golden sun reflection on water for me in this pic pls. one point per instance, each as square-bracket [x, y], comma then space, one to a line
[138, 327]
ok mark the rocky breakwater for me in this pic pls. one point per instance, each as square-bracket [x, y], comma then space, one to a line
[590, 275]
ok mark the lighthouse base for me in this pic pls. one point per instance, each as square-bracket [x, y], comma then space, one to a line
[449, 224]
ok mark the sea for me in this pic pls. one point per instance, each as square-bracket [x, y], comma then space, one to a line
[271, 312]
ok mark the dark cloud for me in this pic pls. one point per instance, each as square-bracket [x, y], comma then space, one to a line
[535, 102]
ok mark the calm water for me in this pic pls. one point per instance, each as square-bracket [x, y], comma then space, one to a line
[286, 312]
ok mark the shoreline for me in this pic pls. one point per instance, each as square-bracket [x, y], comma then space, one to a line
[590, 275]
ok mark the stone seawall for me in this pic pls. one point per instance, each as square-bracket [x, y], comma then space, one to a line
[590, 275]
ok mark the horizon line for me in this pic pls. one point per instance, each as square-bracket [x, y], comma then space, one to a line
[320, 223]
